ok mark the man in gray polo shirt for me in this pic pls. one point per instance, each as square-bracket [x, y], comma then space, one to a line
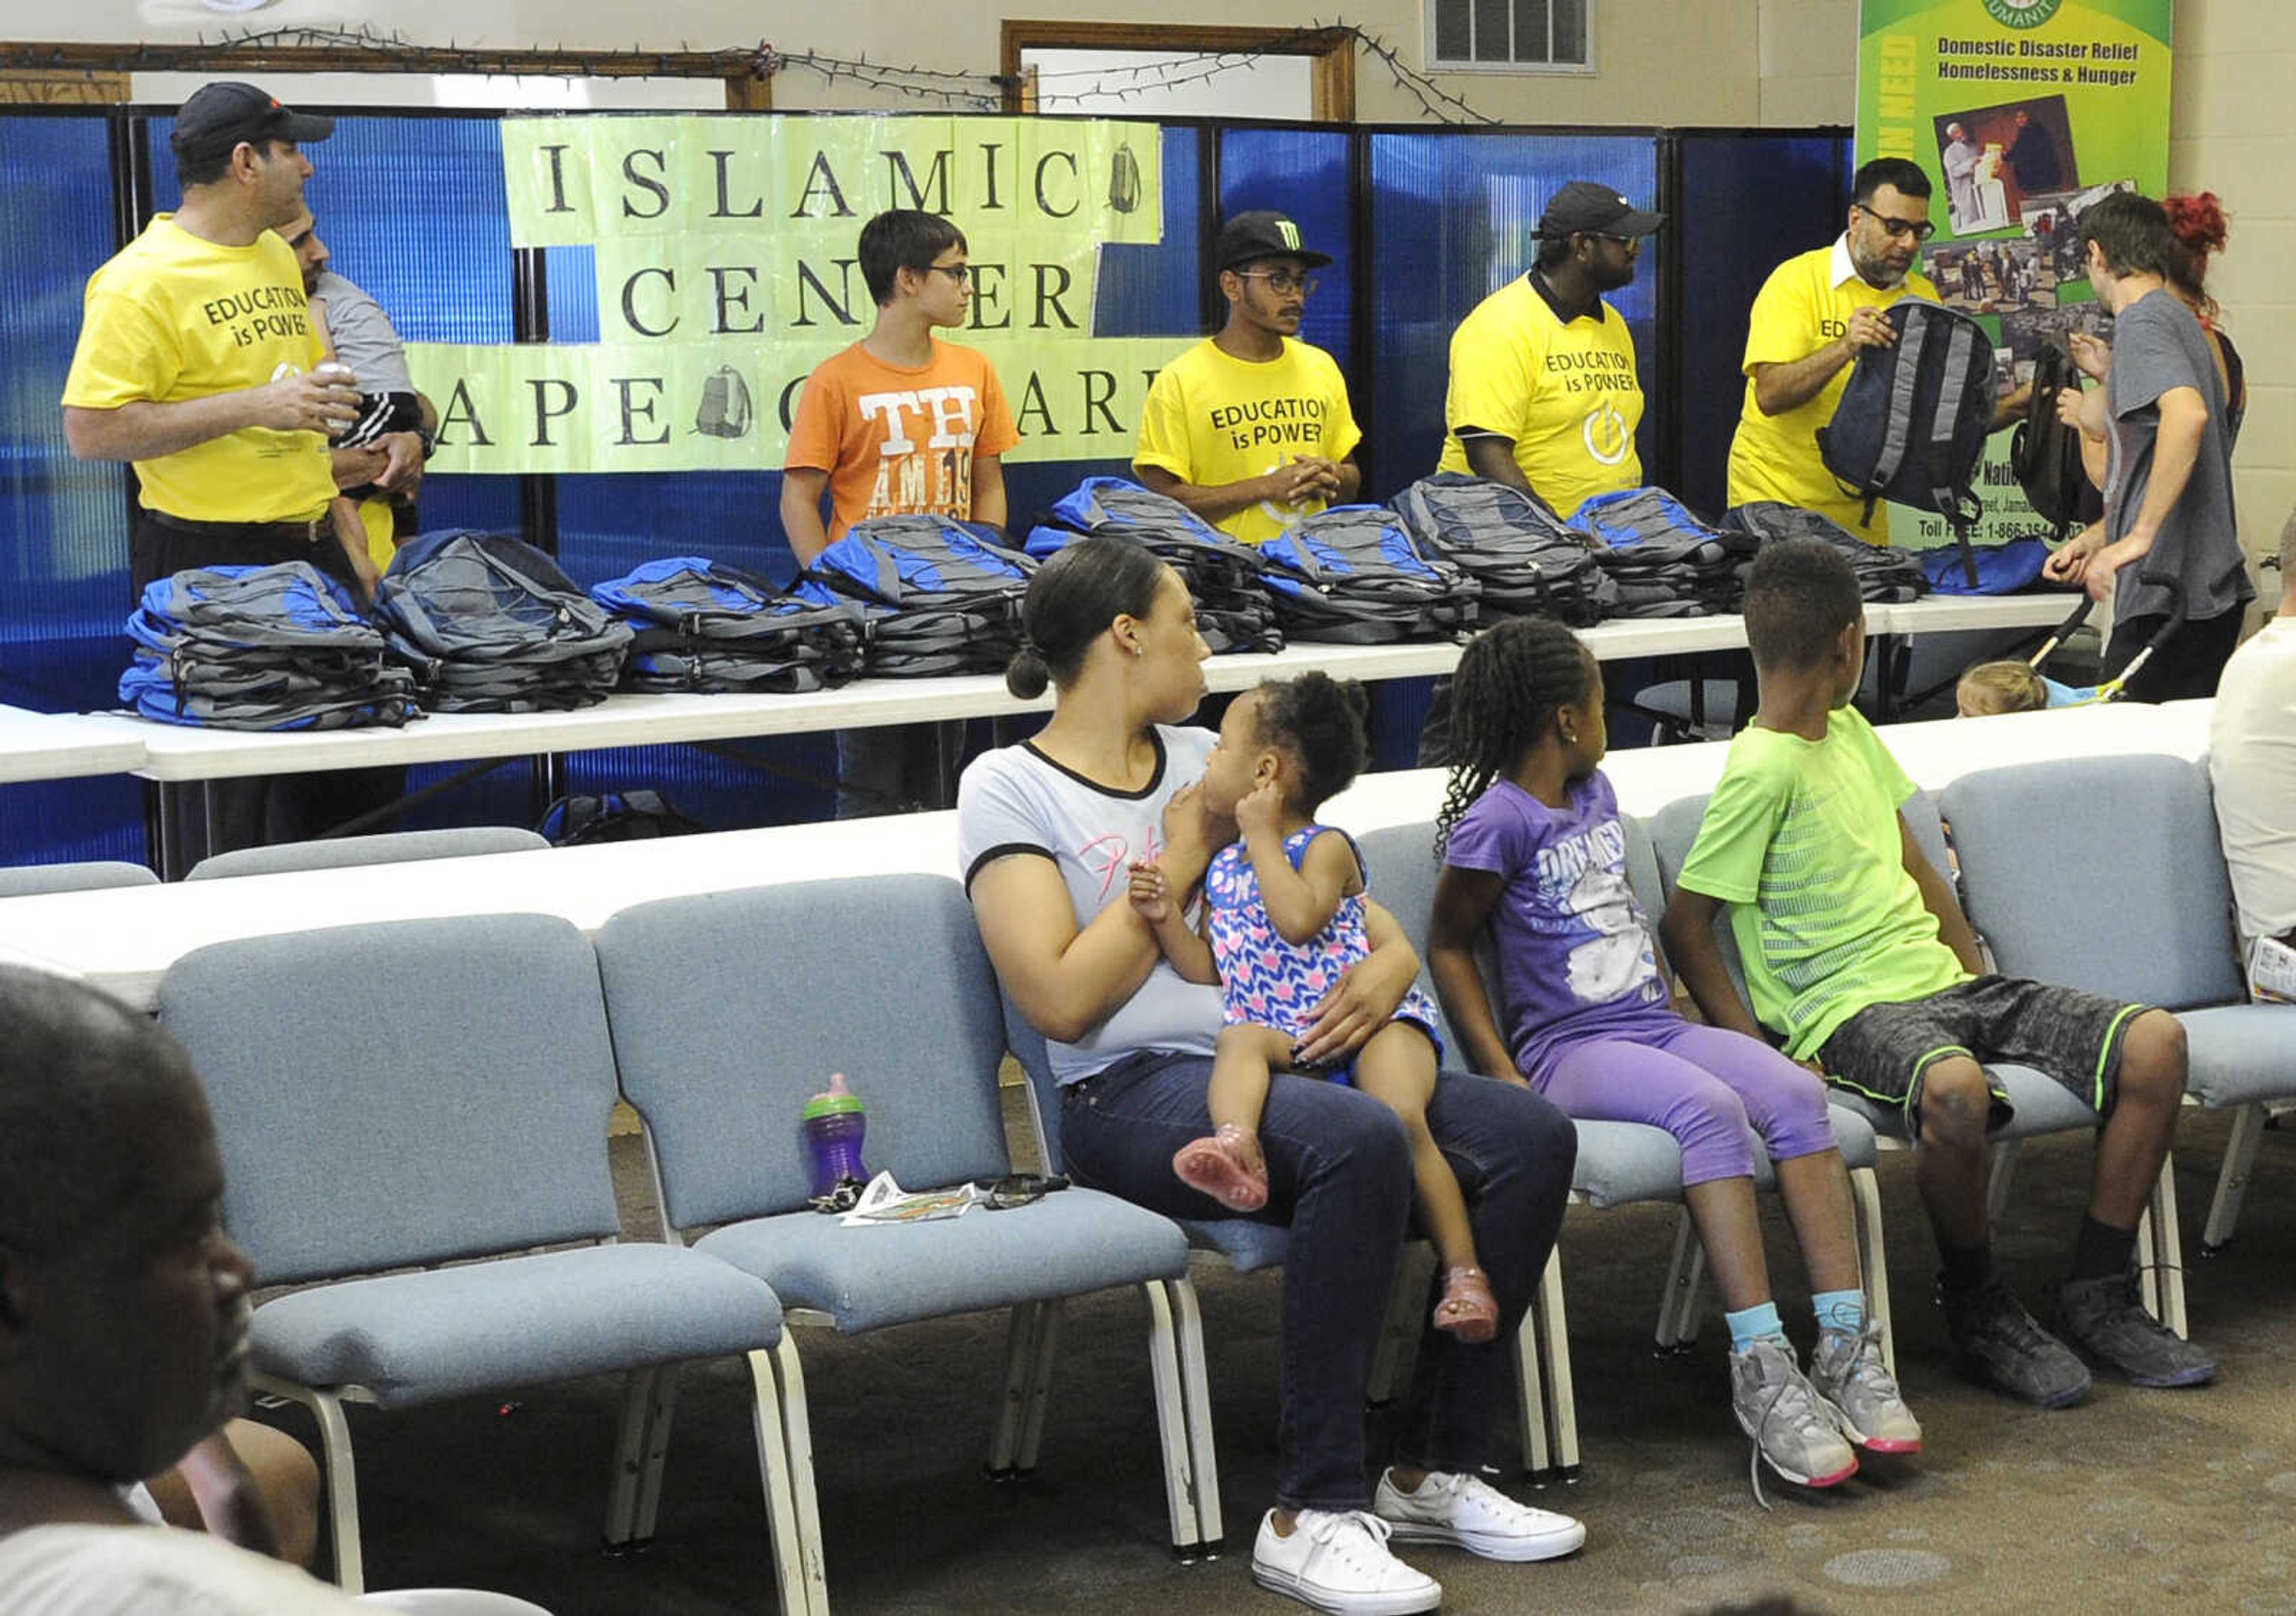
[378, 460]
[2168, 517]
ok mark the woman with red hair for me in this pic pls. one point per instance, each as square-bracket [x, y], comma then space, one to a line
[2199, 224]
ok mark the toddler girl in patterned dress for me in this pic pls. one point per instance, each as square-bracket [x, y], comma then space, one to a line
[1284, 916]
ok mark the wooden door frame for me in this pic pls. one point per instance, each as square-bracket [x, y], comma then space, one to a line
[1331, 96]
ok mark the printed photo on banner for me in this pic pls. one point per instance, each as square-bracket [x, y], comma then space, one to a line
[1992, 277]
[2027, 330]
[1994, 157]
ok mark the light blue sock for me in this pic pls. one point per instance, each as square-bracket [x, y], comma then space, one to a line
[1755, 1324]
[1840, 1309]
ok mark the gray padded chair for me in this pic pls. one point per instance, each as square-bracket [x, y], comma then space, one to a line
[412, 1095]
[2158, 929]
[1619, 1163]
[397, 847]
[2041, 1105]
[729, 1009]
[31, 880]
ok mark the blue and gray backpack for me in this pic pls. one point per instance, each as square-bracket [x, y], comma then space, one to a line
[1232, 611]
[1526, 559]
[1354, 575]
[703, 625]
[937, 595]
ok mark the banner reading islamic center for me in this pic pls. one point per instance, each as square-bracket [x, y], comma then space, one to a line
[2022, 112]
[725, 269]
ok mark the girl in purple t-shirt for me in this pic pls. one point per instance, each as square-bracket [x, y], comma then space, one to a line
[1535, 851]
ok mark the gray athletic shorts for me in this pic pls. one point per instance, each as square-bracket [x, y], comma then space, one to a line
[2076, 1037]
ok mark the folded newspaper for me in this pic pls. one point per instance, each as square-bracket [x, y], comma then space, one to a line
[2272, 972]
[886, 1201]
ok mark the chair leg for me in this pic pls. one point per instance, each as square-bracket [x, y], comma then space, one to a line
[1678, 1281]
[1020, 1341]
[1555, 1350]
[785, 1459]
[1872, 1260]
[1390, 1364]
[2165, 1257]
[629, 1457]
[1171, 1419]
[2232, 1179]
[1530, 1397]
[653, 1458]
[1196, 1390]
[1040, 1388]
[1996, 1191]
[342, 1478]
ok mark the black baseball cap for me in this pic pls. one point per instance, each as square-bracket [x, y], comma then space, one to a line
[1262, 234]
[1595, 209]
[219, 115]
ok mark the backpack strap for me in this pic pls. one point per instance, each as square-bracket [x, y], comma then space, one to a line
[1903, 381]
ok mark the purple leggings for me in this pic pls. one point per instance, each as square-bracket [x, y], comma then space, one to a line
[1702, 1085]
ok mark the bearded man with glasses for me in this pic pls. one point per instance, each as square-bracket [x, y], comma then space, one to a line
[1250, 427]
[1812, 319]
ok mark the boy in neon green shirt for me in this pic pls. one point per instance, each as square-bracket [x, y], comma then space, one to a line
[1857, 954]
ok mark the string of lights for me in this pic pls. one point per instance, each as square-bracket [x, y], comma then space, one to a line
[365, 48]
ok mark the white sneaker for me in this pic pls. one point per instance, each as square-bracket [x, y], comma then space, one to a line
[1338, 1562]
[1469, 1512]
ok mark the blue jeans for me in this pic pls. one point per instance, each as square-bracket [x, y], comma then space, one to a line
[1338, 1180]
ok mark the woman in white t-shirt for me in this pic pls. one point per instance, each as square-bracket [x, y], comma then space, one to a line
[1049, 831]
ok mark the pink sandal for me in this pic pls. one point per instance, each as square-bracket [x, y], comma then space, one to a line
[1468, 1309]
[1219, 1165]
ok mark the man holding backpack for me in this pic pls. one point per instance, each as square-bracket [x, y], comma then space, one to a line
[1810, 321]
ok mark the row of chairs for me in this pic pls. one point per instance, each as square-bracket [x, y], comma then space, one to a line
[715, 1015]
[395, 847]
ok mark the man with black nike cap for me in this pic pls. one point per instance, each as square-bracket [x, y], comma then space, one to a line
[1251, 429]
[199, 363]
[1544, 394]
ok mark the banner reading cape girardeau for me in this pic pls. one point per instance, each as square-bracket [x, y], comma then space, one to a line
[2023, 112]
[725, 252]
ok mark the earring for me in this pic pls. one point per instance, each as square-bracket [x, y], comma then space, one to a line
[1138, 649]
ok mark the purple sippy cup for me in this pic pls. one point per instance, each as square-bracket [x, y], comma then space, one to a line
[833, 1126]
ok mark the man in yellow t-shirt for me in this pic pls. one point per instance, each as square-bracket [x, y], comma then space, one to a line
[1812, 317]
[1251, 429]
[1544, 394]
[198, 361]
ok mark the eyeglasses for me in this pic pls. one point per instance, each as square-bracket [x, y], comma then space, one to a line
[959, 272]
[1632, 243]
[1921, 230]
[1281, 280]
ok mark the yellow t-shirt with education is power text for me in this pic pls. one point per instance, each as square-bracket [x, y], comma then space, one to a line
[1213, 419]
[1568, 395]
[1806, 304]
[173, 319]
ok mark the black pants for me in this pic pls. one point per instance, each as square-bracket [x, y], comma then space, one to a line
[2185, 666]
[221, 816]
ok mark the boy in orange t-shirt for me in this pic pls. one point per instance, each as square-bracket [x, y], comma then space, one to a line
[900, 424]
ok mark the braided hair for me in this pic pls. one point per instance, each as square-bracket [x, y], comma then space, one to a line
[1321, 722]
[1510, 684]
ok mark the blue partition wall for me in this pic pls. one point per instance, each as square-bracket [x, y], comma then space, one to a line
[1420, 224]
[1802, 182]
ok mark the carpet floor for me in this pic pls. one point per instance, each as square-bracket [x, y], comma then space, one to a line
[2134, 1501]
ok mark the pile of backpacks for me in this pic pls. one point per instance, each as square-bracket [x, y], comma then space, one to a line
[1883, 573]
[702, 625]
[490, 624]
[261, 648]
[936, 595]
[1233, 610]
[1665, 561]
[1525, 560]
[1355, 575]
